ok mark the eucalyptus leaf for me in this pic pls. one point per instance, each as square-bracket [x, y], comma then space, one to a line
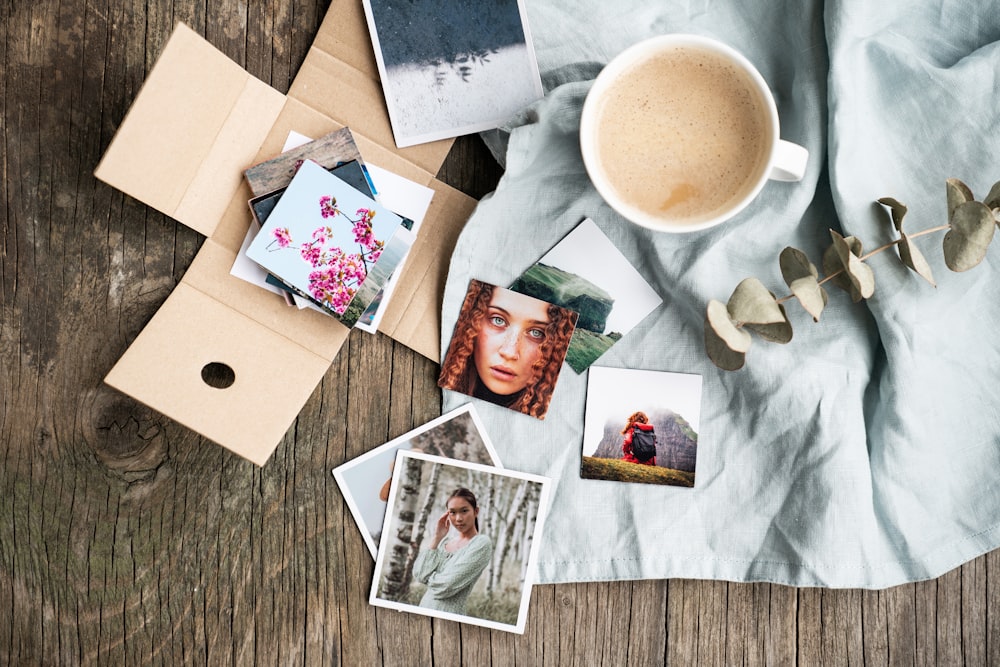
[965, 244]
[958, 194]
[914, 259]
[717, 319]
[725, 344]
[857, 273]
[837, 274]
[752, 303]
[801, 277]
[794, 265]
[811, 295]
[776, 332]
[896, 209]
[752, 308]
[720, 354]
[993, 198]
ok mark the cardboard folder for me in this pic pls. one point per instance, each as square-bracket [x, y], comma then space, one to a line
[197, 123]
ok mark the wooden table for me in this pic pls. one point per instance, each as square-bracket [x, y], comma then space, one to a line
[126, 538]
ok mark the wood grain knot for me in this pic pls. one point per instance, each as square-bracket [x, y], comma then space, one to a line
[126, 436]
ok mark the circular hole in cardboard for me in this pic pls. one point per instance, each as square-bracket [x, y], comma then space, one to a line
[218, 375]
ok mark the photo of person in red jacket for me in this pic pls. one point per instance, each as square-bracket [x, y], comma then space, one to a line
[636, 421]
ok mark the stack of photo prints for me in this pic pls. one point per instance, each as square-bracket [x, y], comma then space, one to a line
[329, 231]
[454, 535]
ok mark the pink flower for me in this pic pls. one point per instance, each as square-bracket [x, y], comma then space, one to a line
[322, 234]
[282, 236]
[312, 253]
[327, 287]
[337, 274]
[328, 206]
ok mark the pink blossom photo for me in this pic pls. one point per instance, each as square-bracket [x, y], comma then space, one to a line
[325, 239]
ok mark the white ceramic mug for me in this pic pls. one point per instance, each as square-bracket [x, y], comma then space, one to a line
[774, 158]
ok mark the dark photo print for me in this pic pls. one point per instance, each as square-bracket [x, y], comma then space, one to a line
[451, 67]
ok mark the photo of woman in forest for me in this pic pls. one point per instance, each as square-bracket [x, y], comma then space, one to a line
[474, 562]
[451, 564]
[507, 348]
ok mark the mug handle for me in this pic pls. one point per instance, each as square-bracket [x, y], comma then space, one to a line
[789, 162]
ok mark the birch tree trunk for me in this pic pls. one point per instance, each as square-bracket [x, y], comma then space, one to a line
[421, 524]
[488, 516]
[396, 581]
[503, 547]
[531, 515]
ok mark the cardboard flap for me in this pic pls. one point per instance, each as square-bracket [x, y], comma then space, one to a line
[209, 274]
[197, 122]
[413, 315]
[333, 87]
[344, 35]
[340, 69]
[273, 377]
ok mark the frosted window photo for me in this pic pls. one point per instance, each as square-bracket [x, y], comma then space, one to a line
[451, 67]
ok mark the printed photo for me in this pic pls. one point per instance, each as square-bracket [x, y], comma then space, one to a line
[329, 151]
[451, 67]
[507, 348]
[586, 273]
[351, 173]
[364, 481]
[409, 200]
[459, 541]
[261, 207]
[641, 426]
[326, 240]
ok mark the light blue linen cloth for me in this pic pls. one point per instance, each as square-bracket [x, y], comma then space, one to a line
[866, 452]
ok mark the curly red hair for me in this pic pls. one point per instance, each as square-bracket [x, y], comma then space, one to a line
[458, 371]
[638, 417]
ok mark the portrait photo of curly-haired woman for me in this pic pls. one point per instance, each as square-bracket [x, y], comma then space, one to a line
[508, 348]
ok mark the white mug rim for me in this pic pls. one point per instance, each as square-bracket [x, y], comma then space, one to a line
[640, 51]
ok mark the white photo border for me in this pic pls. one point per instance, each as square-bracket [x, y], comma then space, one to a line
[529, 579]
[341, 472]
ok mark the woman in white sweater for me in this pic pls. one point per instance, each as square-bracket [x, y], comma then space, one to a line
[452, 564]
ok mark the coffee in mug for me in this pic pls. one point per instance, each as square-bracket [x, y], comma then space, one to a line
[680, 132]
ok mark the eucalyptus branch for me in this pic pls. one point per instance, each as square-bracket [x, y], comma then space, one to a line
[752, 307]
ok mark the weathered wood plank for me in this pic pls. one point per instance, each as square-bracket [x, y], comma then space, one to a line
[975, 607]
[925, 614]
[830, 627]
[900, 622]
[648, 626]
[875, 632]
[760, 624]
[948, 607]
[696, 625]
[992, 610]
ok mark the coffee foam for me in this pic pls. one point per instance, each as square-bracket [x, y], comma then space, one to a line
[683, 135]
